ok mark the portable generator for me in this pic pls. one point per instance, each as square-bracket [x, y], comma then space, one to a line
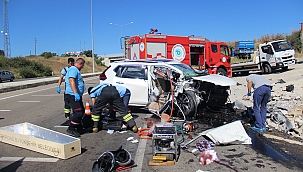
[164, 141]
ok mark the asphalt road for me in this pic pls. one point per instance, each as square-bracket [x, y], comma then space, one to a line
[42, 106]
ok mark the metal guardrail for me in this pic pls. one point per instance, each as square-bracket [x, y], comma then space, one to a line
[13, 86]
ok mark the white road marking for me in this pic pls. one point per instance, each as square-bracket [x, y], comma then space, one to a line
[59, 126]
[140, 154]
[50, 95]
[28, 101]
[28, 159]
[32, 92]
[25, 93]
[5, 110]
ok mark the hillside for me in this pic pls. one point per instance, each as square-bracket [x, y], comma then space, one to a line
[58, 63]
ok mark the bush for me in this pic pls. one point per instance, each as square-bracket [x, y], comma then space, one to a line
[99, 62]
[27, 72]
[25, 68]
[47, 55]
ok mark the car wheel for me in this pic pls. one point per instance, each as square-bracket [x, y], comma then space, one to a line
[188, 104]
[221, 71]
[12, 79]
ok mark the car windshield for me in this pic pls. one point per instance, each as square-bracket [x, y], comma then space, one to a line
[187, 70]
[281, 46]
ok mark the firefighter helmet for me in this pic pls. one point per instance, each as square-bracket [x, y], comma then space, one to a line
[122, 156]
[105, 162]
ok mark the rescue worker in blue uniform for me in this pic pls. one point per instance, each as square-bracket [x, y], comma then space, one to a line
[262, 92]
[75, 88]
[105, 93]
[67, 108]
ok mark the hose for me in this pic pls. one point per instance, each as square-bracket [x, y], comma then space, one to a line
[179, 128]
[172, 95]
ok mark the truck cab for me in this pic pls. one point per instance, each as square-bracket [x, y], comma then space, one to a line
[277, 54]
[214, 56]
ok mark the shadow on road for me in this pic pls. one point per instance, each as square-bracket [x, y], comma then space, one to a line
[266, 147]
[13, 167]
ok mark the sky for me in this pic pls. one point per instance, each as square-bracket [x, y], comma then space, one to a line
[60, 26]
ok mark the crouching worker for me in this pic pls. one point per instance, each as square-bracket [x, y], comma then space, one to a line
[103, 94]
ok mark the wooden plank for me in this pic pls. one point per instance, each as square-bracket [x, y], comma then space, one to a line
[165, 163]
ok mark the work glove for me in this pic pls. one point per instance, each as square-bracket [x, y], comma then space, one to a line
[58, 90]
[249, 94]
[77, 97]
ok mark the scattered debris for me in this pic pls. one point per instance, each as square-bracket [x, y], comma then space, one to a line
[132, 140]
[283, 107]
[204, 145]
[281, 81]
[231, 133]
[110, 131]
[245, 97]
[290, 88]
[208, 156]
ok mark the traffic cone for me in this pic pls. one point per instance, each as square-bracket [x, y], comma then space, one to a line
[87, 108]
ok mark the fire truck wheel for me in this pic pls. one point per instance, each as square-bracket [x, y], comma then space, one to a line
[222, 71]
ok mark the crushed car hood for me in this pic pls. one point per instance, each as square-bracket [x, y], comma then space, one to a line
[216, 79]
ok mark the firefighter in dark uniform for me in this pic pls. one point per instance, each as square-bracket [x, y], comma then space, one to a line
[103, 94]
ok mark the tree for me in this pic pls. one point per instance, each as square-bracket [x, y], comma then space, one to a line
[2, 53]
[88, 53]
[295, 40]
[47, 55]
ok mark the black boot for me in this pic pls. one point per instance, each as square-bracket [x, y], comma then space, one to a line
[132, 125]
[67, 116]
[95, 127]
[72, 131]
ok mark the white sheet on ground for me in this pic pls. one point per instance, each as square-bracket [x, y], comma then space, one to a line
[232, 133]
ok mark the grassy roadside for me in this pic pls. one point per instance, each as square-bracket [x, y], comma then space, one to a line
[58, 63]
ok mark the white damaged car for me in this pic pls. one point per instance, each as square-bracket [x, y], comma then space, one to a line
[166, 81]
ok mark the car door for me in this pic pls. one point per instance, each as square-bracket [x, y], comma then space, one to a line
[7, 75]
[4, 75]
[133, 77]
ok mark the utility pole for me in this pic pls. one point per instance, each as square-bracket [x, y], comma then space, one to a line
[301, 33]
[92, 32]
[6, 40]
[35, 41]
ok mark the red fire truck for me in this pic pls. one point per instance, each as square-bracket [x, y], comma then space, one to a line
[191, 50]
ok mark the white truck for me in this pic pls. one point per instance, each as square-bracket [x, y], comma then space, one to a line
[270, 55]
